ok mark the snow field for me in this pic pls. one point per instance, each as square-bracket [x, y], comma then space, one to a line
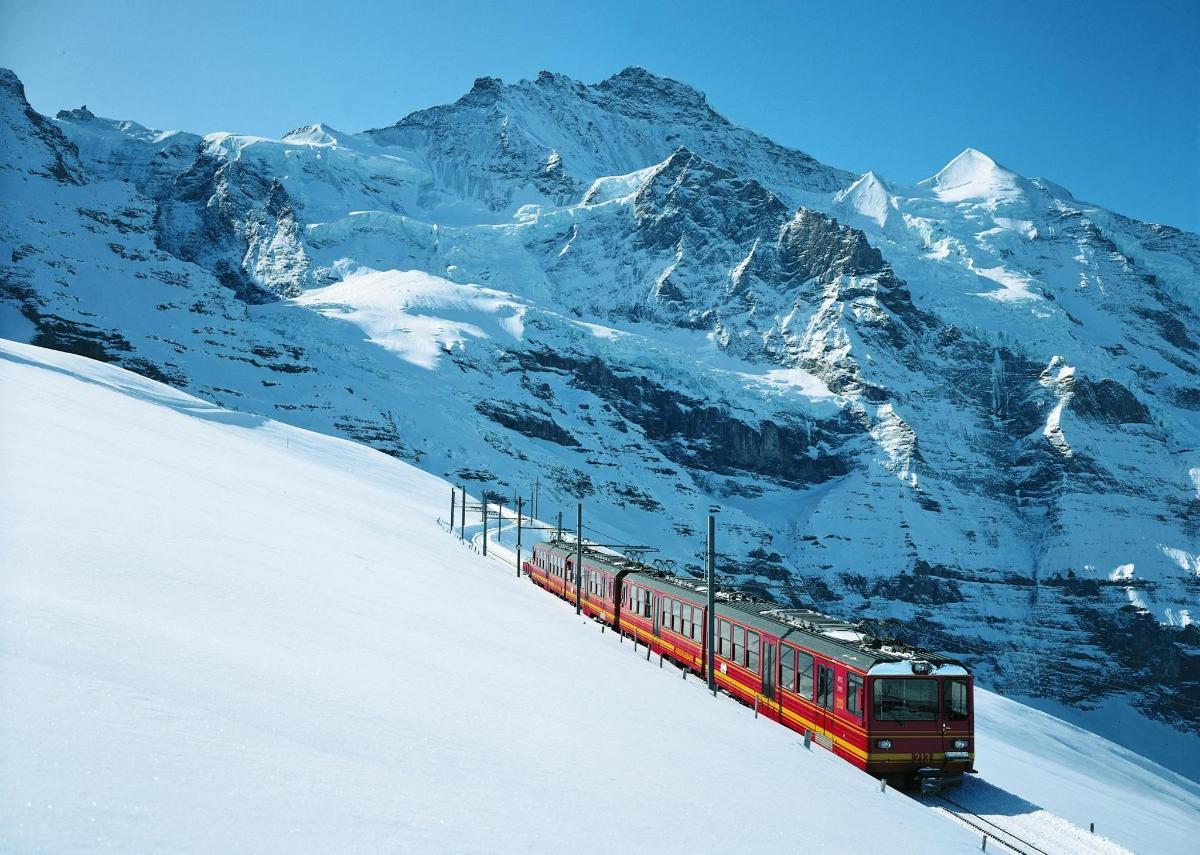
[225, 634]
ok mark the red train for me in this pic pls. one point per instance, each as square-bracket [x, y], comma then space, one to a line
[899, 713]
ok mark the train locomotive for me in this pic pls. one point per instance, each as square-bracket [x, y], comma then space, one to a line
[896, 712]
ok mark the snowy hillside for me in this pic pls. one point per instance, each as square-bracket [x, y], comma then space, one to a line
[227, 634]
[965, 410]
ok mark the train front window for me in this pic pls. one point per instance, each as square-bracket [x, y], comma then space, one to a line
[955, 700]
[904, 699]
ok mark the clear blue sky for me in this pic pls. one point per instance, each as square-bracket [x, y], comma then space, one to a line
[1101, 97]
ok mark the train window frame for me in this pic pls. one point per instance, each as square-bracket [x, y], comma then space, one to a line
[806, 675]
[753, 650]
[965, 714]
[826, 687]
[787, 664]
[739, 647]
[854, 698]
[724, 639]
[910, 685]
[685, 620]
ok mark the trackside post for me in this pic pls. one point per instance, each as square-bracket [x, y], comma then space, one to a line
[710, 630]
[520, 505]
[484, 526]
[578, 557]
[462, 529]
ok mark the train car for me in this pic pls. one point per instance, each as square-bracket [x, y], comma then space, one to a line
[893, 711]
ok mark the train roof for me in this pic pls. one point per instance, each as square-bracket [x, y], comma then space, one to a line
[835, 639]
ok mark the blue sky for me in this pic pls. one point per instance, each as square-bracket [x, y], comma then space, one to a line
[1103, 98]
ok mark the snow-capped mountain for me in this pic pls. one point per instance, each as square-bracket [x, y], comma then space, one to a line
[966, 408]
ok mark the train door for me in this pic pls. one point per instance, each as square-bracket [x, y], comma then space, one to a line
[656, 608]
[956, 714]
[769, 687]
[825, 695]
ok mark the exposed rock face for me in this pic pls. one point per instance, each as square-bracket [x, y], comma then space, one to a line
[965, 410]
[33, 146]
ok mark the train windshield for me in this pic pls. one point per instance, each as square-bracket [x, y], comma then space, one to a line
[906, 699]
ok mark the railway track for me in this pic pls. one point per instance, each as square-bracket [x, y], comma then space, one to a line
[992, 831]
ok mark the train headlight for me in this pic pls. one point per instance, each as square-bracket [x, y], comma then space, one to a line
[885, 744]
[960, 744]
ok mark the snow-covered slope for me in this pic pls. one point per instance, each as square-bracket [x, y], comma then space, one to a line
[225, 633]
[965, 409]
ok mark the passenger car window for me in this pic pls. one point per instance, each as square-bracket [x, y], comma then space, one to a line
[854, 685]
[787, 664]
[804, 674]
[752, 639]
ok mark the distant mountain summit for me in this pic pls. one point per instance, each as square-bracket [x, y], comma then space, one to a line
[965, 410]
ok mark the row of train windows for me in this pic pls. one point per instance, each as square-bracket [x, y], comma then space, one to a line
[735, 644]
[598, 584]
[683, 618]
[738, 645]
[905, 699]
[796, 675]
[638, 600]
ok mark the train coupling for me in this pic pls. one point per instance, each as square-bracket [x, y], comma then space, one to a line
[931, 780]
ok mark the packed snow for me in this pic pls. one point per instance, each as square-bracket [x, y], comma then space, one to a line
[226, 633]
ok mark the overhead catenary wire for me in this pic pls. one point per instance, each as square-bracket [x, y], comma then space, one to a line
[977, 648]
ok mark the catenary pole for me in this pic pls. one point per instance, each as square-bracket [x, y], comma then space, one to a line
[710, 630]
[484, 526]
[579, 558]
[462, 529]
[453, 498]
[520, 505]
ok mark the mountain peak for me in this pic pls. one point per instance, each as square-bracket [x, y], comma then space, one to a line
[484, 89]
[79, 114]
[551, 78]
[969, 159]
[9, 82]
[636, 81]
[869, 196]
[318, 134]
[972, 175]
